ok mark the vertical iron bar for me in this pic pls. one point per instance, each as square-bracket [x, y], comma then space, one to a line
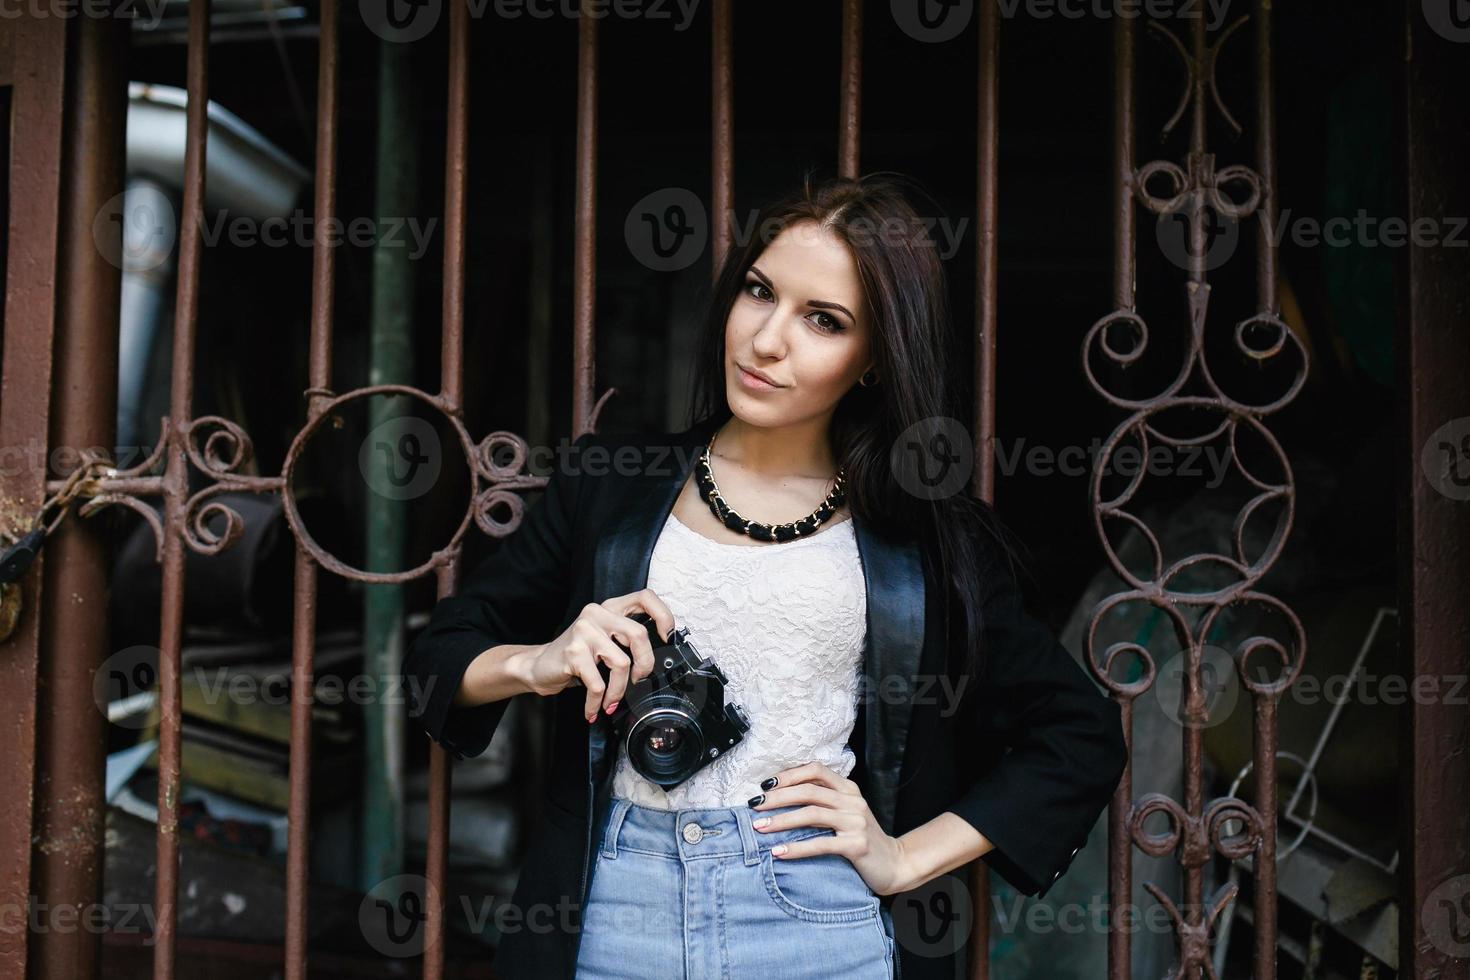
[1125, 285]
[456, 164]
[38, 59]
[1265, 707]
[303, 620]
[1198, 135]
[72, 746]
[176, 491]
[849, 123]
[456, 153]
[1265, 160]
[986, 196]
[986, 267]
[1124, 275]
[1193, 750]
[1432, 347]
[1264, 771]
[722, 109]
[584, 303]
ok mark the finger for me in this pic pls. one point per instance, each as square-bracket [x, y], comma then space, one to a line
[802, 793]
[618, 664]
[810, 772]
[584, 667]
[810, 847]
[807, 816]
[648, 601]
[633, 635]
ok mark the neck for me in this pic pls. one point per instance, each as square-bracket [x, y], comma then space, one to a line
[802, 449]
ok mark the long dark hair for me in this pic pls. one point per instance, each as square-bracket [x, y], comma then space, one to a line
[961, 539]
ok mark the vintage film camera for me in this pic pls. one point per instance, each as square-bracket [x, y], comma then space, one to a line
[675, 721]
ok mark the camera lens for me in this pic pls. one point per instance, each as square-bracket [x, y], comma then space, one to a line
[664, 746]
[664, 739]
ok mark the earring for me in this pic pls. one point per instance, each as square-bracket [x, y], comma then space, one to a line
[869, 378]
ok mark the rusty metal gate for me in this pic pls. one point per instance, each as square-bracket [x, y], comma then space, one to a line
[60, 322]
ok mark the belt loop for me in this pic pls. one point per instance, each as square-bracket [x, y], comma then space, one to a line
[614, 824]
[747, 836]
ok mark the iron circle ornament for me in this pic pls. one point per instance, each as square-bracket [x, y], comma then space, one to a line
[293, 516]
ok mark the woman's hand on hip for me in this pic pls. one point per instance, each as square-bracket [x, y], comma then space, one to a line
[837, 803]
[572, 657]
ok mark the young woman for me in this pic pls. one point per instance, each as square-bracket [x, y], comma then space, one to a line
[906, 715]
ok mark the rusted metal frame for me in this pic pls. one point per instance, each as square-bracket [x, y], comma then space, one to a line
[38, 47]
[1432, 347]
[987, 131]
[1196, 827]
[7, 58]
[1120, 846]
[1192, 913]
[584, 272]
[1265, 703]
[456, 162]
[722, 111]
[176, 489]
[1266, 301]
[987, 207]
[303, 616]
[72, 744]
[849, 121]
[456, 155]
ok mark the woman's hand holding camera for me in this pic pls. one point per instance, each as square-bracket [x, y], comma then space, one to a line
[572, 657]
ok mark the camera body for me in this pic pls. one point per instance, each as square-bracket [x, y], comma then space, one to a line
[675, 721]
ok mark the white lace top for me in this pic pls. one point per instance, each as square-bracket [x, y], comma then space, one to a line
[787, 623]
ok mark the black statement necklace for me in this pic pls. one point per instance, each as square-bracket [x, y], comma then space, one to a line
[710, 491]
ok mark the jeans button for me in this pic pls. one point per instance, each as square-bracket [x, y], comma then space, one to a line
[693, 832]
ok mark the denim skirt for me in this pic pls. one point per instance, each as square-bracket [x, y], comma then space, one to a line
[696, 894]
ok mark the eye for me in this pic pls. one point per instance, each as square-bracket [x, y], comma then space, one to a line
[832, 324]
[758, 286]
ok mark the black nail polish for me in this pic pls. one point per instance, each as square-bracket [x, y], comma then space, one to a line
[757, 800]
[769, 783]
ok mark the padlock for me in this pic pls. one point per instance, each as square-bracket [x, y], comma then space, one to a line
[18, 557]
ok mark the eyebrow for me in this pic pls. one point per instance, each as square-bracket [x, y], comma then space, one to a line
[820, 304]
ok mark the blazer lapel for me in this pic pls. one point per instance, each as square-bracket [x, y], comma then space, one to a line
[894, 579]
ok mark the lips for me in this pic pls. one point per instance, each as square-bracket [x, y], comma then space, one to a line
[757, 375]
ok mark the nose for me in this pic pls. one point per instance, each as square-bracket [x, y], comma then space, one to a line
[768, 341]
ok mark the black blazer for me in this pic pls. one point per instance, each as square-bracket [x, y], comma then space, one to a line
[1030, 757]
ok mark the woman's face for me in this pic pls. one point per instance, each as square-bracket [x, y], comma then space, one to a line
[799, 320]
